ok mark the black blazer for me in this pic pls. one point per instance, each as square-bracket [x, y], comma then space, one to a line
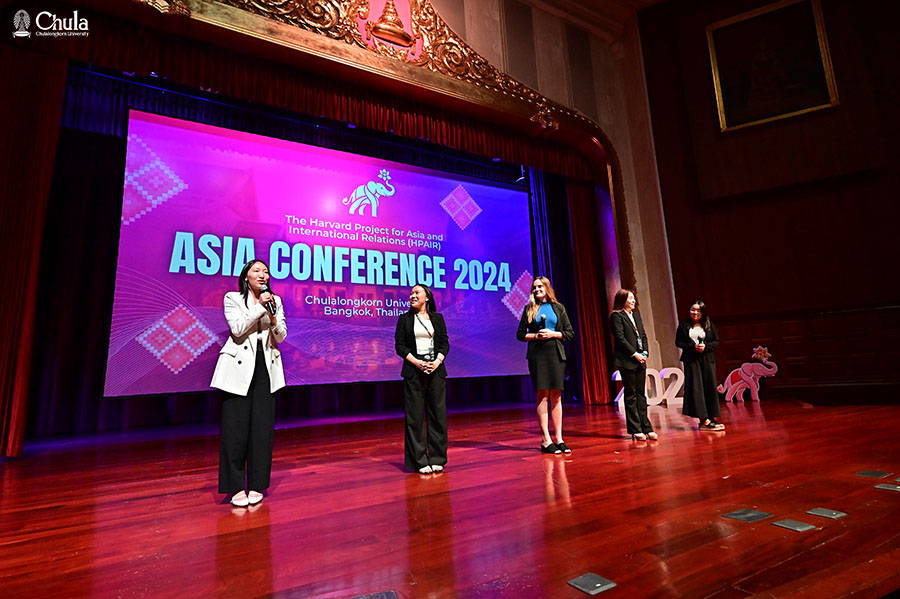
[563, 325]
[684, 341]
[624, 339]
[405, 341]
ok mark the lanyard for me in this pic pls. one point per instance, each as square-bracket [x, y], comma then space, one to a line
[430, 333]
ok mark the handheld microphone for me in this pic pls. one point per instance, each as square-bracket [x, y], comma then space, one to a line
[269, 305]
[543, 321]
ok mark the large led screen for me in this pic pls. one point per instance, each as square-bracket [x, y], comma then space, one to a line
[345, 237]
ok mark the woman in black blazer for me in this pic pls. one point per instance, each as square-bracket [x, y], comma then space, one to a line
[421, 340]
[698, 339]
[545, 325]
[630, 355]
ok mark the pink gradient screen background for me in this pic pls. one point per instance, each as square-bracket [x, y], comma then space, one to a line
[184, 178]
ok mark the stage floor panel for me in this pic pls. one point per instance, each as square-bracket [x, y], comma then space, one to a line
[139, 516]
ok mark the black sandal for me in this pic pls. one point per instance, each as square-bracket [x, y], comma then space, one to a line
[552, 448]
[564, 448]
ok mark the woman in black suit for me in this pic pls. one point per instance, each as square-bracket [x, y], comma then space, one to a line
[630, 355]
[698, 339]
[421, 340]
[545, 325]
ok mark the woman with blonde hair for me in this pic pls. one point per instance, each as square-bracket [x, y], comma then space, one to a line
[545, 326]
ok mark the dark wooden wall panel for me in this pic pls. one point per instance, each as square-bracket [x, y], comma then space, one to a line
[788, 230]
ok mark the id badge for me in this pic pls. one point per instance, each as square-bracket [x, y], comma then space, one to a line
[429, 355]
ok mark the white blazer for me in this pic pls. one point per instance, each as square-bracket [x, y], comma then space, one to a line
[237, 358]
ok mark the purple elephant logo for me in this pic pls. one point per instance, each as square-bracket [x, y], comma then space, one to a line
[370, 194]
[748, 375]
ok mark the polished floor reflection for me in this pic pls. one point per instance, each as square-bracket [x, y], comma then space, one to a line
[139, 516]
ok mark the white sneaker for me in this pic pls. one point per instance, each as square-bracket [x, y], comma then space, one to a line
[425, 470]
[437, 468]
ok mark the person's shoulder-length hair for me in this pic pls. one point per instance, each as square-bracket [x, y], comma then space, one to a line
[533, 305]
[430, 304]
[621, 297]
[243, 285]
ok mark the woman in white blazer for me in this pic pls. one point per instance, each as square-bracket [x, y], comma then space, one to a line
[249, 370]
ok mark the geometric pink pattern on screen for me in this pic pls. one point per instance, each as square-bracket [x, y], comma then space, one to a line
[176, 338]
[179, 320]
[518, 296]
[148, 181]
[461, 207]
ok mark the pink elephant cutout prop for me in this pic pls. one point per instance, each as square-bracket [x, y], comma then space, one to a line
[748, 375]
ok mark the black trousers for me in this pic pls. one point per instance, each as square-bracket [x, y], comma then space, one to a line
[248, 428]
[425, 441]
[635, 398]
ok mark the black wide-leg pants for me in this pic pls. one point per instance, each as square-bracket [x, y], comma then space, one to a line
[248, 428]
[635, 399]
[701, 399]
[425, 441]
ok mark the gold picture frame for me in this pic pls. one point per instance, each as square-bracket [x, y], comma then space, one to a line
[771, 63]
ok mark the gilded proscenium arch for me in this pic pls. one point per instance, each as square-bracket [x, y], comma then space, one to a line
[439, 67]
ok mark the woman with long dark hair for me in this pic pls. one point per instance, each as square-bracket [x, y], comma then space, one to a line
[421, 340]
[698, 339]
[545, 326]
[249, 370]
[630, 355]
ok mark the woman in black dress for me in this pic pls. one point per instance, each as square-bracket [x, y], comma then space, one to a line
[630, 356]
[421, 340]
[545, 326]
[698, 339]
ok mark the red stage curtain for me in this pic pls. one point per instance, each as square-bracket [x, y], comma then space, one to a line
[30, 104]
[590, 288]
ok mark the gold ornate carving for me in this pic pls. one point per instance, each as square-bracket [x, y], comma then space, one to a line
[431, 44]
[331, 18]
[389, 27]
[544, 118]
[171, 7]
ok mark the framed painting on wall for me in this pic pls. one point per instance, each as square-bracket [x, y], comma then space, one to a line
[771, 63]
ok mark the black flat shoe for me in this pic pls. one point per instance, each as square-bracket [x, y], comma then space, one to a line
[712, 425]
[564, 448]
[552, 448]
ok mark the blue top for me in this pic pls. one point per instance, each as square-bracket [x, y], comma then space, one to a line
[547, 311]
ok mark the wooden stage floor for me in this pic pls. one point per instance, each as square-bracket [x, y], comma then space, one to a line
[139, 516]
